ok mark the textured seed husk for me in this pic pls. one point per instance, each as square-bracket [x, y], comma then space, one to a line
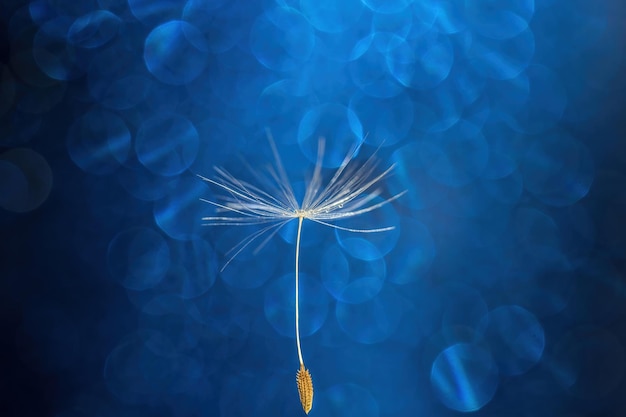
[305, 388]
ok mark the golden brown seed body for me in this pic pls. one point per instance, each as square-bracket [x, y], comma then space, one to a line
[305, 388]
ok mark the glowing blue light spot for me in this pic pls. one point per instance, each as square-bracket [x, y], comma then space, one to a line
[238, 80]
[393, 117]
[138, 258]
[167, 144]
[41, 11]
[332, 16]
[504, 59]
[499, 19]
[516, 338]
[53, 55]
[120, 371]
[540, 4]
[337, 124]
[374, 320]
[335, 271]
[153, 12]
[386, 7]
[450, 17]
[464, 377]
[425, 15]
[71, 8]
[399, 23]
[126, 92]
[282, 39]
[219, 20]
[223, 315]
[354, 281]
[326, 76]
[469, 84]
[193, 268]
[467, 201]
[145, 364]
[368, 68]
[422, 190]
[477, 113]
[382, 243]
[175, 52]
[179, 213]
[336, 49]
[227, 135]
[456, 157]
[558, 169]
[286, 99]
[143, 184]
[98, 142]
[164, 100]
[437, 110]
[94, 29]
[197, 6]
[116, 79]
[279, 305]
[500, 165]
[168, 312]
[119, 7]
[423, 63]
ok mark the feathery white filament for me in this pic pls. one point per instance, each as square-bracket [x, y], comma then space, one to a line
[349, 193]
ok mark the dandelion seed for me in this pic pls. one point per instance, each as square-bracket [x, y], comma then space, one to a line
[351, 191]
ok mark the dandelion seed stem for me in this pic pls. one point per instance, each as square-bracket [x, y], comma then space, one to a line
[300, 219]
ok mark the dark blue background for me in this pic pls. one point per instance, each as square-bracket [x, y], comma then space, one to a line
[500, 292]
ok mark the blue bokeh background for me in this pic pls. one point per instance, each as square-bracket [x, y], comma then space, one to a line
[500, 292]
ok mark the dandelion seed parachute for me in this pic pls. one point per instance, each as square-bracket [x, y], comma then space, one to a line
[350, 192]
